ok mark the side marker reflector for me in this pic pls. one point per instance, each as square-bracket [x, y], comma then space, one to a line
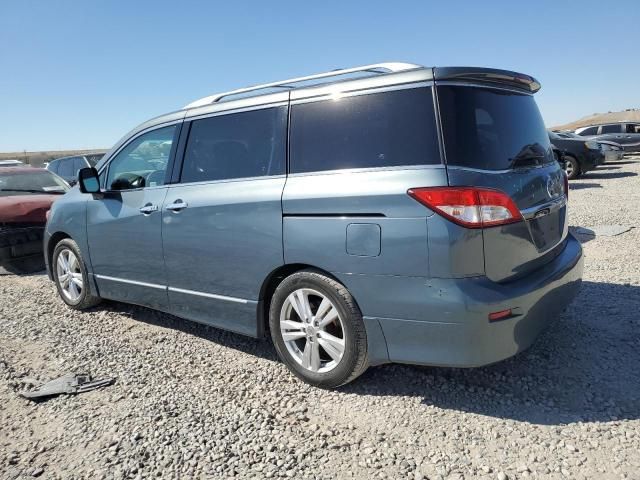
[501, 315]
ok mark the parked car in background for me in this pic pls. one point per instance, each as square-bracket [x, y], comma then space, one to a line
[68, 167]
[26, 194]
[11, 163]
[204, 214]
[612, 150]
[579, 155]
[626, 134]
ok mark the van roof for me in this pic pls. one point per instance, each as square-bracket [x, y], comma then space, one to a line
[378, 70]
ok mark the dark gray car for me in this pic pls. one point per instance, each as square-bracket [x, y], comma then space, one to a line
[409, 215]
[578, 155]
[68, 167]
[626, 134]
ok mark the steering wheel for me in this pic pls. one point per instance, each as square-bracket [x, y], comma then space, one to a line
[128, 181]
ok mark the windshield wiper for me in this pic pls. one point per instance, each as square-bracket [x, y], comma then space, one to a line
[526, 161]
[530, 155]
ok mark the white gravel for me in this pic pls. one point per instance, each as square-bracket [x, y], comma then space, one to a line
[192, 401]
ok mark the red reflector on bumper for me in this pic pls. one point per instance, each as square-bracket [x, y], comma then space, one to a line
[501, 315]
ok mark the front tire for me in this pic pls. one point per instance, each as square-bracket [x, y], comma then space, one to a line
[571, 167]
[317, 330]
[70, 276]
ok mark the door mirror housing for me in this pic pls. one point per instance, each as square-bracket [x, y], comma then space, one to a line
[88, 180]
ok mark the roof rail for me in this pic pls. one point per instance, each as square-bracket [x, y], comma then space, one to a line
[376, 68]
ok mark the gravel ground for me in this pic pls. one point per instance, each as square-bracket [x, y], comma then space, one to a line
[192, 401]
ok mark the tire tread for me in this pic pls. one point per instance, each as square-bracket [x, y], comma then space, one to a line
[88, 299]
[357, 325]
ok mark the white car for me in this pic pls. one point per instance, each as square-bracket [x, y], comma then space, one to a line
[11, 163]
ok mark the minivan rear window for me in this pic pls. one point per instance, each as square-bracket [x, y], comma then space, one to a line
[492, 129]
[386, 129]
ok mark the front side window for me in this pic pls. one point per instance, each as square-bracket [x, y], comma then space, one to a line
[611, 129]
[237, 145]
[94, 159]
[386, 129]
[143, 162]
[633, 128]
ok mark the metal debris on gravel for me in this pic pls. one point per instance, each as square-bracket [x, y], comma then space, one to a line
[70, 384]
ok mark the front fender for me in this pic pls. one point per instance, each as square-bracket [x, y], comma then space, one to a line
[68, 219]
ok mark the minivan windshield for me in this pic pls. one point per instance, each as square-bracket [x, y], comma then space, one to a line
[492, 129]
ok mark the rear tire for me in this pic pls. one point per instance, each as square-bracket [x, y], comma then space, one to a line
[326, 344]
[70, 276]
[571, 167]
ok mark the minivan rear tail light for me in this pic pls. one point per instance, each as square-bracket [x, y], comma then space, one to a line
[470, 207]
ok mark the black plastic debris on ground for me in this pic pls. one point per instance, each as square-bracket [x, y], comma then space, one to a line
[67, 384]
[601, 230]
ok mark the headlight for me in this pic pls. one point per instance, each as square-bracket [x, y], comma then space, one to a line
[592, 145]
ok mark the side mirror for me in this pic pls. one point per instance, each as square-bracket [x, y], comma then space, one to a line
[88, 180]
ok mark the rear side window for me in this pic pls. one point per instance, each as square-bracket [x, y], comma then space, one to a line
[386, 129]
[491, 129]
[53, 167]
[633, 128]
[611, 128]
[238, 145]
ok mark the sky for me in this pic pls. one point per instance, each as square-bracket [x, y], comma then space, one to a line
[80, 74]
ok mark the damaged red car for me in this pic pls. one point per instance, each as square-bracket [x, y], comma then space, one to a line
[26, 194]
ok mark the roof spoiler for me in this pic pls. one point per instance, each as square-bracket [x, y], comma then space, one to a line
[488, 75]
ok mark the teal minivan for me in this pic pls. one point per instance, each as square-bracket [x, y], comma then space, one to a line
[386, 213]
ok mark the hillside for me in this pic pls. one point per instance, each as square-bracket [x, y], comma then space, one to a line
[631, 115]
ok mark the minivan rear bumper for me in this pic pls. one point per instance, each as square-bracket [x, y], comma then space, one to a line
[454, 329]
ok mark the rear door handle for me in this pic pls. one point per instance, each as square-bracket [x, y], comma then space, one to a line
[148, 209]
[177, 206]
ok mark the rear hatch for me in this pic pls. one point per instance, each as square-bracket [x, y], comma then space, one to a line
[495, 138]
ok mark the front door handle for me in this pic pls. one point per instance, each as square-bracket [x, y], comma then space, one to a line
[177, 206]
[148, 209]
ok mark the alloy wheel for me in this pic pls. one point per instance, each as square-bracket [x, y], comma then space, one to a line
[568, 168]
[312, 330]
[69, 275]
